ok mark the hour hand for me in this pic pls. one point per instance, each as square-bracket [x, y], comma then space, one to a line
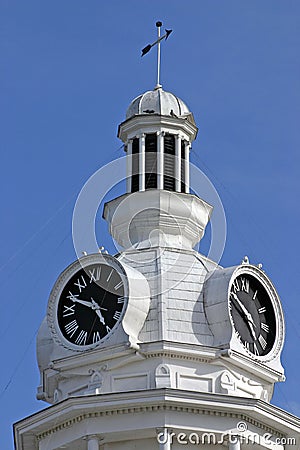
[98, 312]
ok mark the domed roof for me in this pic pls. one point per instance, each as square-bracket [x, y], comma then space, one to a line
[157, 101]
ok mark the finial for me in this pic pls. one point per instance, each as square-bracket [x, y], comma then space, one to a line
[157, 42]
[245, 260]
[158, 25]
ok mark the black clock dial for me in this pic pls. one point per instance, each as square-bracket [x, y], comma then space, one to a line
[91, 304]
[252, 314]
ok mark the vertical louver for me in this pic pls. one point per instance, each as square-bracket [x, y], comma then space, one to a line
[151, 161]
[169, 162]
[135, 165]
[182, 166]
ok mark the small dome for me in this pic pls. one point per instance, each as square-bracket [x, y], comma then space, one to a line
[157, 101]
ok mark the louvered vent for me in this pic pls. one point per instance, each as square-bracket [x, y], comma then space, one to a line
[135, 165]
[151, 161]
[169, 162]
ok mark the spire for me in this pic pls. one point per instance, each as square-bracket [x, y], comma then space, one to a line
[157, 42]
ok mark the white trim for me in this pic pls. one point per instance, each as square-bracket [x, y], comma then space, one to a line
[129, 165]
[177, 163]
[93, 443]
[187, 167]
[142, 162]
[160, 160]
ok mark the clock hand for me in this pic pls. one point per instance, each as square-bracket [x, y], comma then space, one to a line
[250, 322]
[98, 312]
[96, 306]
[245, 311]
[252, 329]
[243, 308]
[82, 302]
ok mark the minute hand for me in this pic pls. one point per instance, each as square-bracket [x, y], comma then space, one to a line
[82, 302]
[251, 323]
[243, 308]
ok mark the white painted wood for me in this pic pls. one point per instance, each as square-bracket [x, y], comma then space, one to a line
[129, 165]
[160, 160]
[178, 163]
[187, 167]
[93, 443]
[234, 443]
[142, 161]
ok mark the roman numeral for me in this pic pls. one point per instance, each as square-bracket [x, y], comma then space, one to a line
[247, 345]
[254, 296]
[95, 274]
[96, 337]
[265, 327]
[121, 299]
[262, 341]
[72, 296]
[262, 309]
[236, 286]
[71, 328]
[245, 285]
[117, 315]
[117, 286]
[109, 275]
[80, 286]
[68, 310]
[108, 329]
[255, 349]
[81, 338]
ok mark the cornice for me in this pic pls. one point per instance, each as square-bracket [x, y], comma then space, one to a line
[142, 121]
[74, 410]
[77, 409]
[183, 351]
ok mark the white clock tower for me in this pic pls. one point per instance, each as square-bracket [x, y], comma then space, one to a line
[158, 346]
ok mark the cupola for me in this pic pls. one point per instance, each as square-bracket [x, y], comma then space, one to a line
[157, 133]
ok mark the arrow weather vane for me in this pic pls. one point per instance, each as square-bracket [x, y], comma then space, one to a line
[149, 46]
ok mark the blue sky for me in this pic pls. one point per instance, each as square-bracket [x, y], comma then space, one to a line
[69, 69]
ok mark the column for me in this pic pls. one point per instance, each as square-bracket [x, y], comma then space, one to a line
[187, 167]
[129, 165]
[160, 160]
[177, 163]
[234, 443]
[93, 443]
[142, 162]
[164, 438]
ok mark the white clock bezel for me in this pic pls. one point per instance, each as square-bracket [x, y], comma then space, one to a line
[271, 291]
[60, 284]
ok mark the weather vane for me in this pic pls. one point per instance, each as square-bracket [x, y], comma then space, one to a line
[157, 42]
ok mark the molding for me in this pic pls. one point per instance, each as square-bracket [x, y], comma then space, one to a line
[156, 122]
[74, 410]
[182, 351]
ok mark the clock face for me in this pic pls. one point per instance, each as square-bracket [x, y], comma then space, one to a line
[252, 314]
[91, 304]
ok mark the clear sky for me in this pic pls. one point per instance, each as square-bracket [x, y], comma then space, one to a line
[69, 69]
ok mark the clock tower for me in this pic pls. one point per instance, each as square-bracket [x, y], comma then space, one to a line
[159, 346]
